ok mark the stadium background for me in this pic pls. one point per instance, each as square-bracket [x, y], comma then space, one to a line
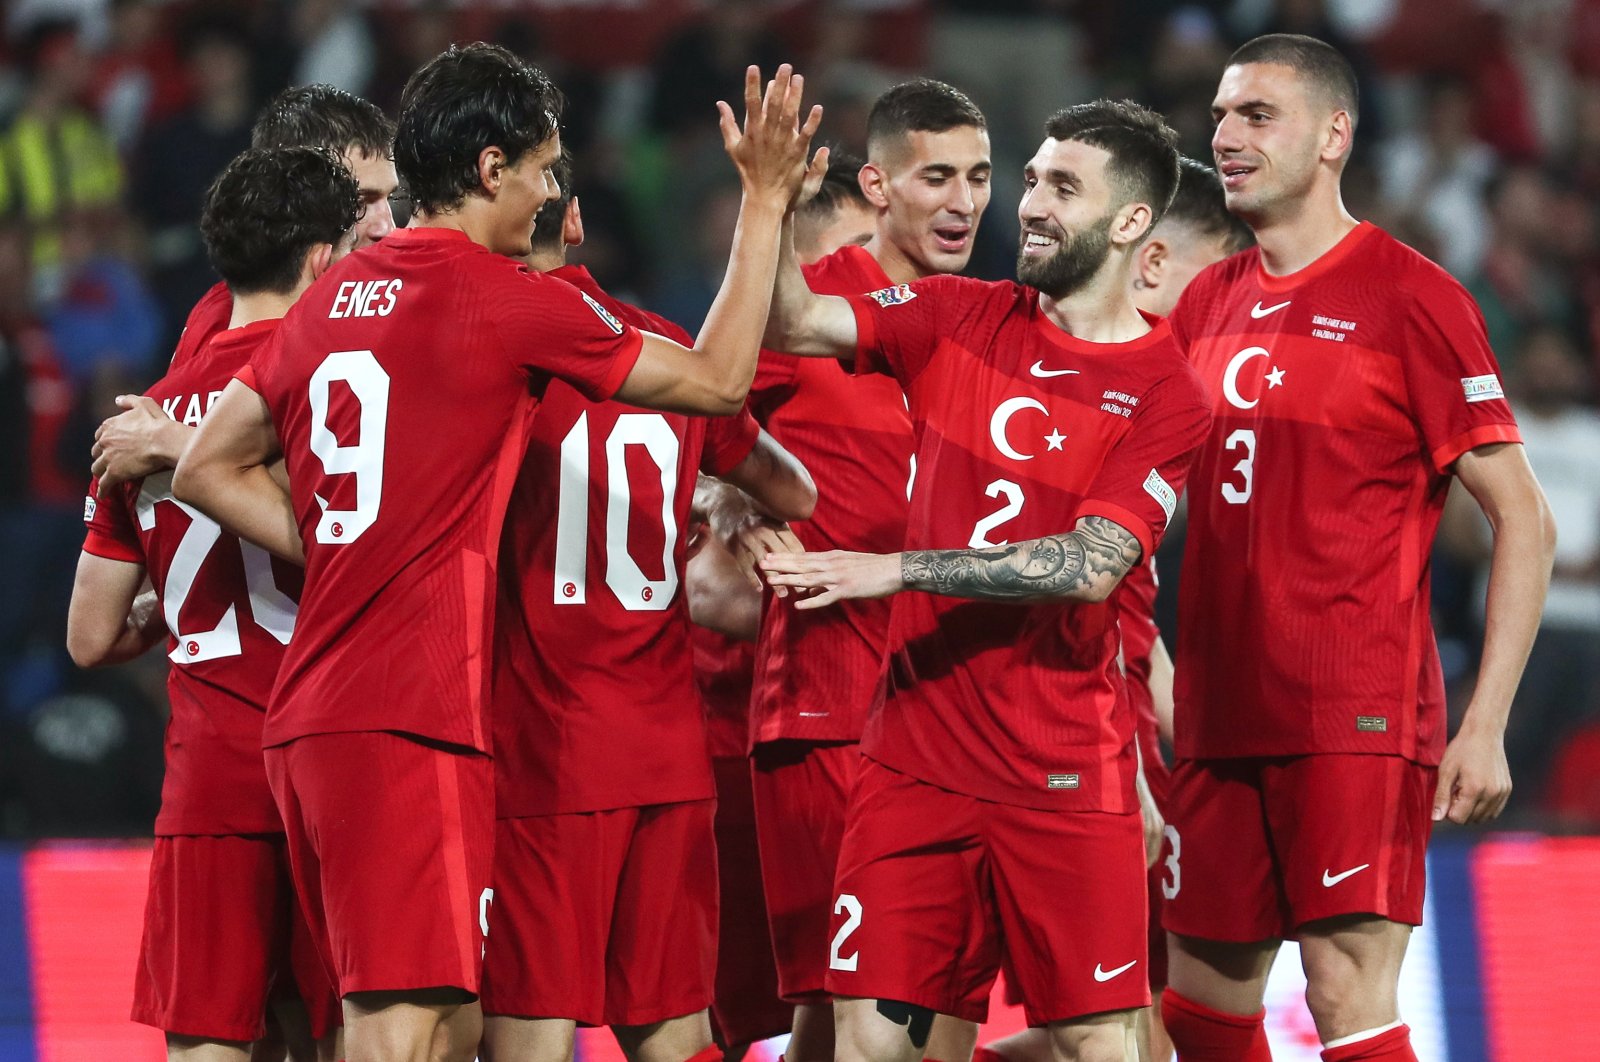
[1479, 144]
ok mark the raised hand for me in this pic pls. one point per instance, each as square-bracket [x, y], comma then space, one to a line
[770, 149]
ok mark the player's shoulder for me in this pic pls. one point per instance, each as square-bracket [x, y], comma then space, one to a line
[850, 270]
[641, 318]
[1413, 278]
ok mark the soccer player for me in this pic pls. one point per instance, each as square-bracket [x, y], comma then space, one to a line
[605, 904]
[320, 116]
[1350, 378]
[143, 439]
[399, 393]
[995, 808]
[839, 215]
[927, 179]
[1195, 232]
[219, 918]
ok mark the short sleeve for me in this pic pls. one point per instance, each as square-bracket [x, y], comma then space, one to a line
[1456, 396]
[547, 327]
[111, 532]
[1143, 476]
[729, 440]
[899, 327]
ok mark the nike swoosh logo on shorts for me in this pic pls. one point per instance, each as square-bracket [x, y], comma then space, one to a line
[1330, 880]
[1259, 311]
[1039, 370]
[1106, 975]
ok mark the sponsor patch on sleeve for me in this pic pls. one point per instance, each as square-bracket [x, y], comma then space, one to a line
[1158, 489]
[1482, 388]
[895, 296]
[89, 507]
[604, 314]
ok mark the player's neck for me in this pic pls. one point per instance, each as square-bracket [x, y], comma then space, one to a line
[545, 261]
[1304, 234]
[262, 306]
[1101, 311]
[894, 263]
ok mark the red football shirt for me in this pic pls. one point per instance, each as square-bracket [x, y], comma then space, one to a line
[402, 385]
[229, 607]
[818, 673]
[724, 669]
[209, 316]
[1021, 430]
[1136, 621]
[1343, 394]
[595, 701]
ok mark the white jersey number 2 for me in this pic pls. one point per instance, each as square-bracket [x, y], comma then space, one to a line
[635, 591]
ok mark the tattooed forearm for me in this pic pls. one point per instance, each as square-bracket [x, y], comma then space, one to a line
[1084, 564]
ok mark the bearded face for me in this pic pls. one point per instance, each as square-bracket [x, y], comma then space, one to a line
[1059, 262]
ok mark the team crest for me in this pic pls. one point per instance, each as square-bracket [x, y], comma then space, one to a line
[895, 296]
[605, 314]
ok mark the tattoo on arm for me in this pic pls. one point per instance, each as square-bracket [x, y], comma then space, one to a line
[1084, 564]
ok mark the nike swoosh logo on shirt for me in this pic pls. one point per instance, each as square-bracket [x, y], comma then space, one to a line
[1038, 369]
[1262, 311]
[1106, 975]
[1330, 880]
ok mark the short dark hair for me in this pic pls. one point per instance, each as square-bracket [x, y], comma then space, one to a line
[458, 103]
[323, 116]
[552, 217]
[841, 185]
[1314, 61]
[271, 206]
[1200, 204]
[1142, 146]
[922, 105]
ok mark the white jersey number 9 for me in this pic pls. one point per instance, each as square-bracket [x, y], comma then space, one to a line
[360, 371]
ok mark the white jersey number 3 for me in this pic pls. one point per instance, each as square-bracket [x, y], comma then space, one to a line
[1244, 439]
[360, 371]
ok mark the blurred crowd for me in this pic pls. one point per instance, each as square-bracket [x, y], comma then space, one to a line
[1479, 145]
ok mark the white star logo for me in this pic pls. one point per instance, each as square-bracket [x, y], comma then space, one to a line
[1055, 439]
[1274, 378]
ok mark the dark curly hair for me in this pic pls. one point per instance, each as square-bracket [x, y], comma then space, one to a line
[461, 101]
[1143, 148]
[271, 206]
[326, 117]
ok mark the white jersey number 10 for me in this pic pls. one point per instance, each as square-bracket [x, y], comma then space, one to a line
[633, 589]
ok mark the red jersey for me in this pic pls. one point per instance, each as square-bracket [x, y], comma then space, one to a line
[229, 607]
[402, 385]
[1136, 622]
[1343, 394]
[817, 673]
[209, 316]
[1021, 430]
[724, 669]
[595, 701]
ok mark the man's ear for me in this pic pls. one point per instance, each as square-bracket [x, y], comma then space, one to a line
[318, 260]
[491, 161]
[1150, 263]
[873, 181]
[1131, 223]
[572, 224]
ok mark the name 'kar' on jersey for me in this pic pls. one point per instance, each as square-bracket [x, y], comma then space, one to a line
[229, 608]
[402, 385]
[1021, 429]
[1343, 394]
[595, 700]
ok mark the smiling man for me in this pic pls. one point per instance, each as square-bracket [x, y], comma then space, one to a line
[995, 808]
[1351, 379]
[926, 180]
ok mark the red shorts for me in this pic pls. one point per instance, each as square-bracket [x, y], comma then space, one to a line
[934, 885]
[802, 789]
[747, 1007]
[1258, 847]
[604, 917]
[390, 840]
[222, 933]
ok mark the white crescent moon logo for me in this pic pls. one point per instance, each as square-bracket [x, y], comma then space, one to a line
[1230, 379]
[1002, 414]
